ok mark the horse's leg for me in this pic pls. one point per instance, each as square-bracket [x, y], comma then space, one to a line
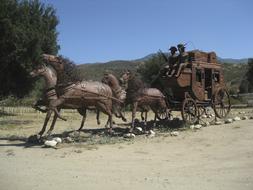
[83, 113]
[52, 124]
[155, 118]
[98, 121]
[49, 112]
[56, 103]
[135, 105]
[142, 117]
[106, 108]
[122, 117]
[145, 121]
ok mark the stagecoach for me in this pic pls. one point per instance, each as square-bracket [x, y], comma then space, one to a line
[200, 85]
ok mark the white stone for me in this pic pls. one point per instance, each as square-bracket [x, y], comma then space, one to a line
[129, 135]
[229, 120]
[174, 133]
[192, 126]
[69, 140]
[218, 123]
[212, 115]
[244, 118]
[139, 129]
[237, 118]
[51, 143]
[204, 116]
[151, 132]
[57, 139]
[198, 126]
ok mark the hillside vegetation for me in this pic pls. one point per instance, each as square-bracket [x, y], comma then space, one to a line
[96, 71]
[233, 72]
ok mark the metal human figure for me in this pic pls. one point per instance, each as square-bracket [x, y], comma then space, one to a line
[172, 60]
[182, 58]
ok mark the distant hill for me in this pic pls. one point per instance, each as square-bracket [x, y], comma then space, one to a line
[235, 61]
[96, 71]
[234, 69]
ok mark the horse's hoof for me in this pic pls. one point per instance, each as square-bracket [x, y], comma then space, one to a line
[34, 139]
[110, 132]
[48, 134]
[129, 135]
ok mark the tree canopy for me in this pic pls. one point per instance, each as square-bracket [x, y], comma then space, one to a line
[247, 82]
[27, 29]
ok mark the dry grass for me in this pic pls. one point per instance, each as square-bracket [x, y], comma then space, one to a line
[18, 123]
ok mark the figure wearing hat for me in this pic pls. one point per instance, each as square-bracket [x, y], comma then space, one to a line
[171, 60]
[182, 58]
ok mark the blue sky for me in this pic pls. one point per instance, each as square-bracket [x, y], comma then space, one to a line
[103, 30]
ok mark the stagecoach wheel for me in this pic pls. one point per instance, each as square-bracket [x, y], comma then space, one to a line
[202, 111]
[221, 103]
[189, 111]
[163, 114]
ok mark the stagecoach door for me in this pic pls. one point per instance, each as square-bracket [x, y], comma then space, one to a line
[208, 84]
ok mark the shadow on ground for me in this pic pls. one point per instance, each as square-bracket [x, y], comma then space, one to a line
[98, 135]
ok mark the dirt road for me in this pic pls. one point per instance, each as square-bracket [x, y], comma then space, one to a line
[214, 157]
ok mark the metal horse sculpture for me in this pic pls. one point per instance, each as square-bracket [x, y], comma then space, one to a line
[118, 92]
[59, 64]
[143, 98]
[80, 96]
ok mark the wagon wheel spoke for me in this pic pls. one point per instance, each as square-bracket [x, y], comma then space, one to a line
[189, 111]
[222, 103]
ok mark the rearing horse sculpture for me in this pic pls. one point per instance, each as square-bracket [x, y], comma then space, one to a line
[80, 95]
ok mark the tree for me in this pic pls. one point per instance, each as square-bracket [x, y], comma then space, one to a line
[149, 70]
[249, 75]
[27, 29]
[246, 85]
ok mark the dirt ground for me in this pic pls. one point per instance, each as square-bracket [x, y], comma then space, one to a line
[212, 158]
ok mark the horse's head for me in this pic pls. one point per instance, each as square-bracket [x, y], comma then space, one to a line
[47, 72]
[110, 80]
[125, 78]
[54, 61]
[39, 70]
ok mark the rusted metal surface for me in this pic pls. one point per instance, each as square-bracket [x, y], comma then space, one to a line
[142, 98]
[80, 95]
[198, 76]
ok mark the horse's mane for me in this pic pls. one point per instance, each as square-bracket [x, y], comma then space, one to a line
[135, 86]
[70, 73]
[114, 78]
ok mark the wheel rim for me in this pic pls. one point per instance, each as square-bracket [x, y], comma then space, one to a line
[222, 103]
[189, 111]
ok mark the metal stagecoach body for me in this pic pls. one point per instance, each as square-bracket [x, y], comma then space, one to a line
[200, 84]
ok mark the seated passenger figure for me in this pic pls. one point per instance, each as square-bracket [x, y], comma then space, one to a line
[172, 60]
[183, 59]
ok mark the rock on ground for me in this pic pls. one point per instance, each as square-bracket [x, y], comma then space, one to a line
[237, 118]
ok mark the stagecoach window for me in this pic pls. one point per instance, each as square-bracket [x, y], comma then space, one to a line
[216, 76]
[198, 75]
